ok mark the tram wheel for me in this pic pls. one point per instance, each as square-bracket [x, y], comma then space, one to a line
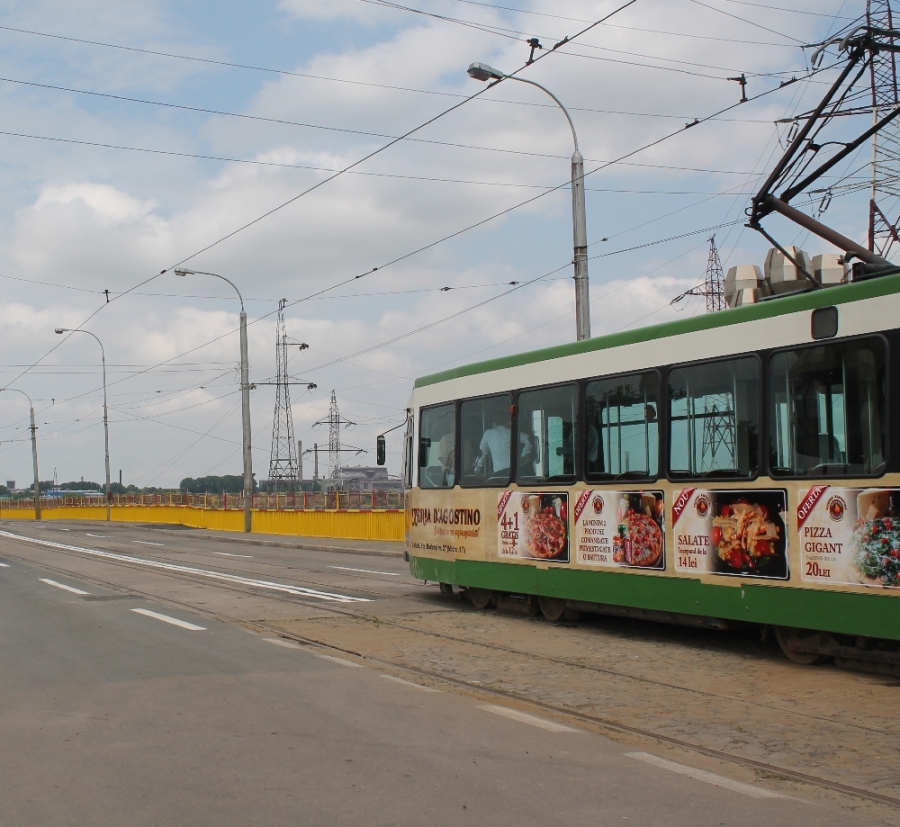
[786, 636]
[553, 608]
[480, 598]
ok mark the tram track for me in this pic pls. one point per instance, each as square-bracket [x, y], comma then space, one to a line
[470, 687]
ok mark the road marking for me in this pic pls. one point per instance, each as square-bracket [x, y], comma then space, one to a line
[62, 586]
[4, 565]
[147, 543]
[365, 571]
[94, 535]
[409, 683]
[226, 554]
[703, 775]
[333, 659]
[65, 529]
[525, 718]
[281, 642]
[173, 620]
[299, 591]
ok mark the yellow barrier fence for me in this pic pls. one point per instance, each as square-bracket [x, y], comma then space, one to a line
[368, 524]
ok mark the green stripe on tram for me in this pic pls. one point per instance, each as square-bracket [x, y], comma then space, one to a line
[826, 297]
[871, 614]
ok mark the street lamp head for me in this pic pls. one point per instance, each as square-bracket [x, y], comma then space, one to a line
[481, 71]
[61, 330]
[183, 271]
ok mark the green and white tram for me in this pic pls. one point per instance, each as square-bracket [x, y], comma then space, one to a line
[735, 467]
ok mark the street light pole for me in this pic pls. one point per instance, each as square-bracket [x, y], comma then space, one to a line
[62, 330]
[481, 71]
[34, 458]
[245, 399]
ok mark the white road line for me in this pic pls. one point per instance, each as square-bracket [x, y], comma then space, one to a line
[409, 683]
[94, 535]
[4, 565]
[146, 543]
[173, 620]
[333, 659]
[62, 586]
[525, 718]
[65, 529]
[226, 554]
[285, 643]
[299, 591]
[703, 775]
[296, 646]
[365, 571]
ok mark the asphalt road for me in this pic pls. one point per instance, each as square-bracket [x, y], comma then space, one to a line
[126, 699]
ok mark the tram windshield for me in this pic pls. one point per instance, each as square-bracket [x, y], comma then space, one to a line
[828, 410]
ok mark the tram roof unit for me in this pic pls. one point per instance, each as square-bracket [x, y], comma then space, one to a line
[843, 294]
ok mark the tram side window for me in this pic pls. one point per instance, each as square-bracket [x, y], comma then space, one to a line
[828, 410]
[437, 447]
[714, 419]
[546, 426]
[622, 427]
[485, 427]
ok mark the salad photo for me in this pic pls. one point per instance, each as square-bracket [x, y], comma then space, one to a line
[748, 533]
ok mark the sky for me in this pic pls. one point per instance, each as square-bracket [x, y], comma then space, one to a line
[140, 135]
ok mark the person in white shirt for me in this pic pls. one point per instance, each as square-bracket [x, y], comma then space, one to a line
[495, 443]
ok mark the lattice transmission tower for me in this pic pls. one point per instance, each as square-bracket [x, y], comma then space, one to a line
[884, 198]
[335, 422]
[713, 287]
[284, 471]
[714, 284]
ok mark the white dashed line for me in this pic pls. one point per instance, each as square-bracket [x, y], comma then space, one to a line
[62, 586]
[4, 565]
[299, 591]
[525, 718]
[333, 659]
[703, 775]
[87, 533]
[366, 571]
[409, 683]
[146, 543]
[173, 620]
[285, 643]
[226, 554]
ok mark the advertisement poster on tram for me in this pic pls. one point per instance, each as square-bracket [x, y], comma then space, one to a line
[434, 530]
[619, 528]
[533, 525]
[731, 532]
[850, 535]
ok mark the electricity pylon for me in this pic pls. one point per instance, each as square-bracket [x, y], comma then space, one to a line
[884, 197]
[284, 471]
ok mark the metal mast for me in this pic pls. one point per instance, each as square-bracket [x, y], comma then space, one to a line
[334, 444]
[334, 421]
[283, 467]
[714, 285]
[884, 198]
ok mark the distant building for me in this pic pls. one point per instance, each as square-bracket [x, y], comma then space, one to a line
[10, 484]
[369, 478]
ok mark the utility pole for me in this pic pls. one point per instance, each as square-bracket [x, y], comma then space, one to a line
[283, 469]
[335, 449]
[884, 195]
[714, 284]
